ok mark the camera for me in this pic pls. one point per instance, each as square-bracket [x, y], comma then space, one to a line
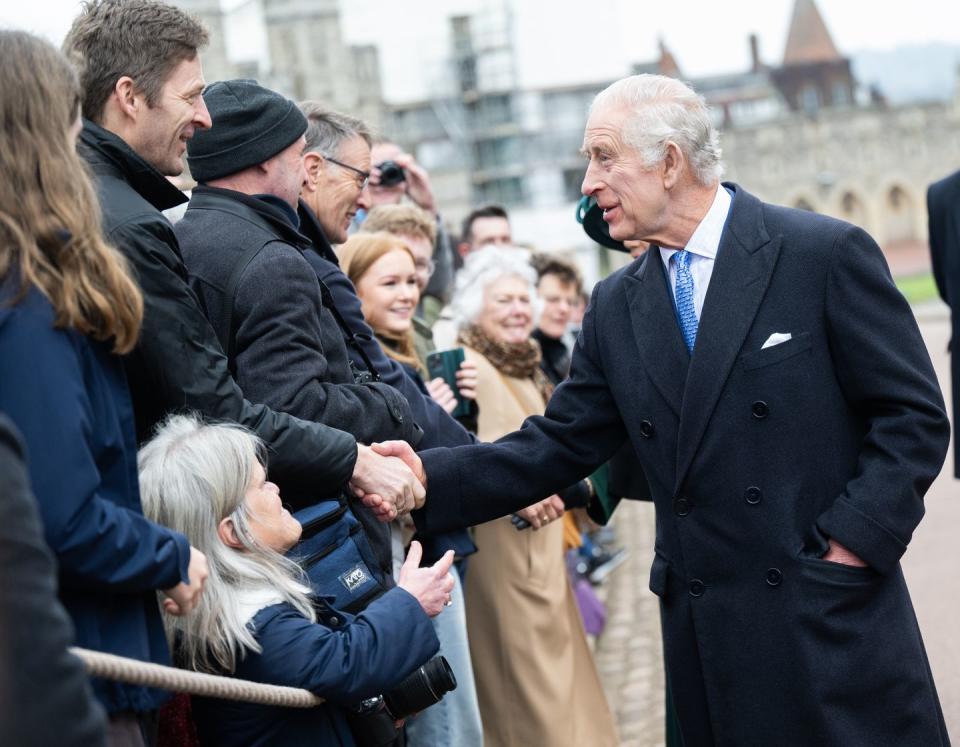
[372, 721]
[391, 173]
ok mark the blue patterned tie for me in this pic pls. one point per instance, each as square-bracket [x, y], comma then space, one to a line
[683, 293]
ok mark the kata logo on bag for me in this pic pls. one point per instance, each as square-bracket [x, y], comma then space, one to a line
[354, 578]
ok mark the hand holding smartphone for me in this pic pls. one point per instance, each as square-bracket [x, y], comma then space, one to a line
[445, 364]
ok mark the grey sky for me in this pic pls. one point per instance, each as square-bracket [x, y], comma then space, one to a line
[558, 42]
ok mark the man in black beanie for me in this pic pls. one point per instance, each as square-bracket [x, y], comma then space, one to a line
[244, 253]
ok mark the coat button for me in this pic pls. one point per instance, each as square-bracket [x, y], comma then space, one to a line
[753, 495]
[774, 576]
[646, 429]
[334, 621]
[760, 409]
[697, 587]
[682, 506]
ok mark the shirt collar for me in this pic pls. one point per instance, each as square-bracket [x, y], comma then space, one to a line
[705, 240]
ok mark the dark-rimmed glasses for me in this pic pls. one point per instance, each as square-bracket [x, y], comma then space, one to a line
[364, 175]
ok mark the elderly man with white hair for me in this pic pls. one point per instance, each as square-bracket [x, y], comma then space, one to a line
[775, 388]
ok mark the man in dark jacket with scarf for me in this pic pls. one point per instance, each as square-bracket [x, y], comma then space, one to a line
[142, 84]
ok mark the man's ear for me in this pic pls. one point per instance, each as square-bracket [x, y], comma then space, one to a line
[313, 164]
[463, 249]
[128, 101]
[673, 165]
[227, 533]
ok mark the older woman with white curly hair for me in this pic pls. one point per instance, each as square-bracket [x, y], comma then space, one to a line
[536, 679]
[258, 619]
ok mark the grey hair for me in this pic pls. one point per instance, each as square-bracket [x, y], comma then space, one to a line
[481, 269]
[327, 129]
[192, 476]
[666, 110]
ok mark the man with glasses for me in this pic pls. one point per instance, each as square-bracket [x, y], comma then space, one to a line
[344, 142]
[322, 211]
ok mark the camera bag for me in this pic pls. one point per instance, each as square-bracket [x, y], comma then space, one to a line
[336, 555]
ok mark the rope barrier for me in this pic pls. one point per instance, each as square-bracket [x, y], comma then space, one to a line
[135, 672]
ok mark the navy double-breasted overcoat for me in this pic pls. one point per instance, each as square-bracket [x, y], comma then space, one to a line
[755, 456]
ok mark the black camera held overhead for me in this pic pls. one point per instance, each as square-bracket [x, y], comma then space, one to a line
[391, 173]
[372, 721]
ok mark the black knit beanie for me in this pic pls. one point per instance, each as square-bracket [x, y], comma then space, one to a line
[251, 124]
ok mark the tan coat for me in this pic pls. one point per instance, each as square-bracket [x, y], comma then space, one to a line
[536, 680]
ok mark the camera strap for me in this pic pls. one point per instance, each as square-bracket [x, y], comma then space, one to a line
[327, 297]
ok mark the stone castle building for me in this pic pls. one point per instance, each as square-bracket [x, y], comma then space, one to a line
[800, 133]
[309, 58]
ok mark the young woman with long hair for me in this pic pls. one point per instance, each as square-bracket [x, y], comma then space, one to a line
[383, 269]
[68, 309]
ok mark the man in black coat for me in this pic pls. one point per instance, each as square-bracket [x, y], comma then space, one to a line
[142, 82]
[45, 691]
[943, 210]
[775, 388]
[245, 256]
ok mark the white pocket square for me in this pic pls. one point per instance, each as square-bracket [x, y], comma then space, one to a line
[775, 339]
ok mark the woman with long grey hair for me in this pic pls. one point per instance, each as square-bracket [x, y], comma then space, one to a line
[258, 620]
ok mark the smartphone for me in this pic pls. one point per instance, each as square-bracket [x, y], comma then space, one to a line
[445, 364]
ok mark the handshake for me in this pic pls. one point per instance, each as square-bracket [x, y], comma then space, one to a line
[390, 480]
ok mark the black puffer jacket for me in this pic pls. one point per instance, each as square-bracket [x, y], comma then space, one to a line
[178, 363]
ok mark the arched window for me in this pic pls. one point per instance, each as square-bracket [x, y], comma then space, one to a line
[852, 209]
[899, 222]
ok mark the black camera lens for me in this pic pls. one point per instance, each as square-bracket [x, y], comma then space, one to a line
[391, 173]
[421, 689]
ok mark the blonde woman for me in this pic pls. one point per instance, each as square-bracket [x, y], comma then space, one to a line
[68, 310]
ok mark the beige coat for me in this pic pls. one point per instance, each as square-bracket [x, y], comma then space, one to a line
[536, 680]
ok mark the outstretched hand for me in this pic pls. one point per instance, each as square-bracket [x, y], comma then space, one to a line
[431, 586]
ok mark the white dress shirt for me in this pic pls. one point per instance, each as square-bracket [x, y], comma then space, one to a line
[702, 247]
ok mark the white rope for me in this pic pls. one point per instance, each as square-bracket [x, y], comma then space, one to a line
[136, 672]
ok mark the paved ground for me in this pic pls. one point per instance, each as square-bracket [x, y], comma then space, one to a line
[629, 655]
